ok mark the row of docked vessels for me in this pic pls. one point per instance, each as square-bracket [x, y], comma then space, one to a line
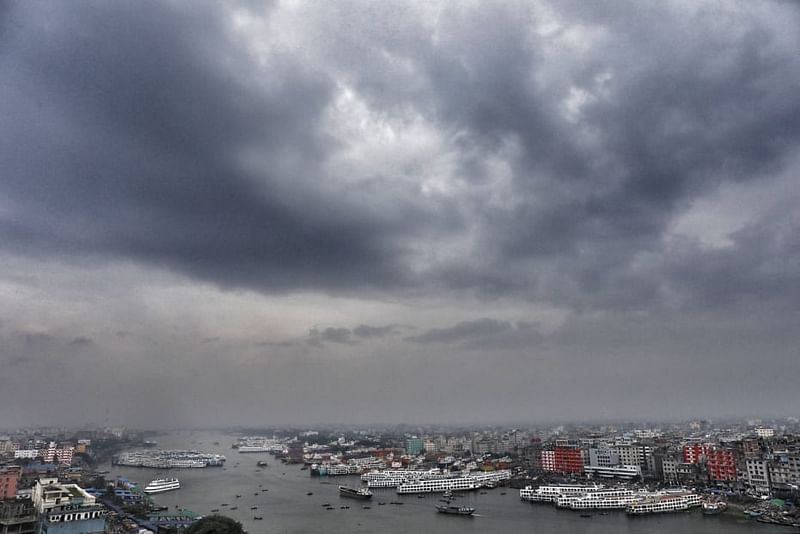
[169, 459]
[596, 497]
[259, 444]
[463, 482]
[433, 481]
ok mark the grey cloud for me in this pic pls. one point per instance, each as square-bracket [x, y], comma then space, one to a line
[544, 160]
[318, 337]
[81, 341]
[198, 158]
[464, 331]
[367, 331]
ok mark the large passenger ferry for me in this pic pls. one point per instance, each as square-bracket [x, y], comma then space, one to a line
[599, 499]
[436, 485]
[160, 485]
[552, 493]
[664, 502]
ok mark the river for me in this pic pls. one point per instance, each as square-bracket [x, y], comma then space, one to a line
[286, 506]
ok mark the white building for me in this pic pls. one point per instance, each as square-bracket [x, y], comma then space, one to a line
[67, 508]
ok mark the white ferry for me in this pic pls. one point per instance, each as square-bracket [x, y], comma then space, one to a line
[601, 499]
[160, 485]
[342, 469]
[491, 478]
[436, 485]
[552, 493]
[664, 502]
[254, 448]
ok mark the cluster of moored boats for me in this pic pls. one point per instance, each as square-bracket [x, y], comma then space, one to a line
[597, 497]
[169, 459]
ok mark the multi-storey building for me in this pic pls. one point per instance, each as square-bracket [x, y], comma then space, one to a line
[67, 509]
[548, 460]
[568, 460]
[720, 464]
[633, 454]
[758, 474]
[9, 475]
[603, 458]
[694, 452]
[18, 516]
[785, 468]
[414, 446]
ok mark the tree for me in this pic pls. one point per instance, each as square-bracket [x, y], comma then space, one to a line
[215, 524]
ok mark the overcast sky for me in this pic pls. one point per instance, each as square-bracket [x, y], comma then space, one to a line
[297, 212]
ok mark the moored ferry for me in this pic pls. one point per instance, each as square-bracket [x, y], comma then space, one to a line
[664, 502]
[599, 499]
[552, 493]
[436, 485]
[161, 485]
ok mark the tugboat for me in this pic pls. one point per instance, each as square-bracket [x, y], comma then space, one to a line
[360, 493]
[455, 510]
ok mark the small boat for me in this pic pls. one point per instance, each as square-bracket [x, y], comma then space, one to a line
[233, 508]
[238, 496]
[257, 518]
[214, 510]
[586, 515]
[224, 504]
[455, 510]
[714, 508]
[310, 493]
[254, 507]
[261, 464]
[365, 507]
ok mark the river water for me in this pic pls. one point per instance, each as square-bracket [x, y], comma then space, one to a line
[286, 507]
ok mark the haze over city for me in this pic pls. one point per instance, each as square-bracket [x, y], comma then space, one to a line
[232, 213]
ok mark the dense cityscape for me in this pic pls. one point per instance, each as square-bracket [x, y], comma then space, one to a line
[51, 479]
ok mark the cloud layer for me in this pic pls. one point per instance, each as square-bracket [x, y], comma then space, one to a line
[490, 176]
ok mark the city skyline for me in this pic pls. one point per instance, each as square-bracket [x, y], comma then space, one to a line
[223, 214]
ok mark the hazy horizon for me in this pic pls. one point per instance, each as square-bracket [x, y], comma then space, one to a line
[219, 213]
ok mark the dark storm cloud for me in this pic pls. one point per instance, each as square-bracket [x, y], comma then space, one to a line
[151, 132]
[128, 141]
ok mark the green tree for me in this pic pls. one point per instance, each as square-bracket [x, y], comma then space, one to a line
[215, 524]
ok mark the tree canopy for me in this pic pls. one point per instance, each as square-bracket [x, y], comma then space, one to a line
[215, 524]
